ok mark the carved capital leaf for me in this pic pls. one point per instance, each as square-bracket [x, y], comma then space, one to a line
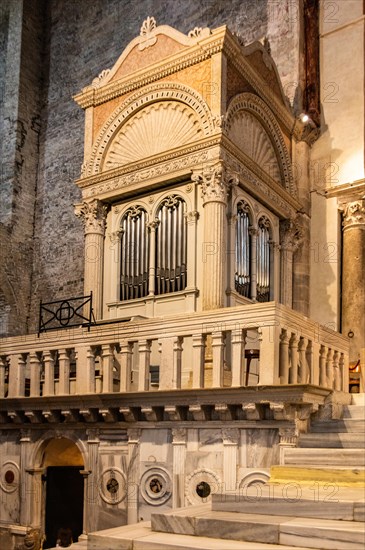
[93, 215]
[354, 214]
[216, 182]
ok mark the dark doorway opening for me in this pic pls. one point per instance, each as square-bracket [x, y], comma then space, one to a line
[64, 502]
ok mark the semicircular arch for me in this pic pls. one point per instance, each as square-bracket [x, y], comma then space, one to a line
[177, 108]
[253, 127]
[40, 448]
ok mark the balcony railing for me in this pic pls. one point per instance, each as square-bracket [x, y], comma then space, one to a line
[200, 350]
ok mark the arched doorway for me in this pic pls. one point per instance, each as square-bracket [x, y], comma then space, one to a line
[64, 489]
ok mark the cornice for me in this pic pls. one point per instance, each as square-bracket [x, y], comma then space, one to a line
[346, 191]
[149, 162]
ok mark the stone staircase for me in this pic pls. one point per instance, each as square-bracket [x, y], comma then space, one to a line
[315, 500]
[332, 452]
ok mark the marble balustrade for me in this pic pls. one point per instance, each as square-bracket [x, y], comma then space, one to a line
[116, 357]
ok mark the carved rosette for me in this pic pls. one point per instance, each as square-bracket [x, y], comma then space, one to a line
[93, 216]
[354, 215]
[291, 235]
[216, 182]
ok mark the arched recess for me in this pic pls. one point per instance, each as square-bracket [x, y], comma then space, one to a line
[174, 112]
[251, 125]
[51, 450]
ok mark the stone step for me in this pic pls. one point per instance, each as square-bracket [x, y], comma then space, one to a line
[352, 425]
[317, 501]
[261, 528]
[354, 411]
[325, 476]
[358, 399]
[324, 457]
[141, 537]
[333, 440]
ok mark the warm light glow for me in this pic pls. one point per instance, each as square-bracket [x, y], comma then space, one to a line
[304, 118]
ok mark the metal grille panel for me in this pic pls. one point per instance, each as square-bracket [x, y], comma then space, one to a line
[134, 254]
[263, 260]
[171, 243]
[242, 276]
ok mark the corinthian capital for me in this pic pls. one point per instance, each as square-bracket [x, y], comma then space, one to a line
[93, 215]
[291, 235]
[354, 214]
[216, 181]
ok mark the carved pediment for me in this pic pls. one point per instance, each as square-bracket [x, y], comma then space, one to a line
[157, 128]
[151, 46]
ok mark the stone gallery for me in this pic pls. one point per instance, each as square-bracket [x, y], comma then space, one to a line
[182, 288]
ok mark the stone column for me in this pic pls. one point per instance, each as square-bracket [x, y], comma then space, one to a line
[93, 215]
[152, 259]
[290, 240]
[353, 277]
[25, 479]
[178, 466]
[230, 438]
[90, 515]
[215, 182]
[133, 475]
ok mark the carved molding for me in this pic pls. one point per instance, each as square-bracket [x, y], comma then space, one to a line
[354, 215]
[252, 104]
[93, 215]
[157, 93]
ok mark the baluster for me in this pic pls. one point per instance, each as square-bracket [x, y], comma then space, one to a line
[107, 357]
[144, 352]
[64, 372]
[90, 371]
[293, 351]
[48, 361]
[329, 368]
[284, 357]
[17, 375]
[313, 361]
[343, 374]
[218, 358]
[35, 374]
[269, 337]
[238, 354]
[126, 351]
[3, 365]
[198, 360]
[177, 355]
[336, 374]
[303, 370]
[322, 366]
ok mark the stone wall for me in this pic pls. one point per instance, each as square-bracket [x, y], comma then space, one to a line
[81, 39]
